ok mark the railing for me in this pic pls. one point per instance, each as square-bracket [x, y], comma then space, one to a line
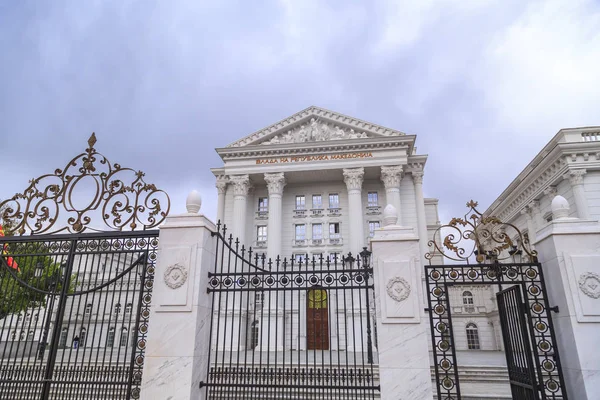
[317, 242]
[262, 214]
[316, 212]
[299, 242]
[590, 136]
[373, 210]
[334, 211]
[300, 213]
[335, 241]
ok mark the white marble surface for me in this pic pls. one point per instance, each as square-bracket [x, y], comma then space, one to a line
[403, 347]
[179, 332]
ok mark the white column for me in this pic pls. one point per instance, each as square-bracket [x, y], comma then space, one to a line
[404, 367]
[241, 186]
[576, 178]
[178, 342]
[353, 177]
[391, 178]
[222, 181]
[275, 183]
[421, 217]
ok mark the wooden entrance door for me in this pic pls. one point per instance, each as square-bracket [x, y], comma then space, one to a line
[317, 322]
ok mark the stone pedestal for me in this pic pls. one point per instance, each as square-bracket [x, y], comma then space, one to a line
[179, 329]
[401, 322]
[569, 250]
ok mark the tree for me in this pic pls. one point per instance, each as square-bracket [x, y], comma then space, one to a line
[37, 268]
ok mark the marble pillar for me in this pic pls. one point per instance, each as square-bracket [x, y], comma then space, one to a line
[391, 178]
[222, 181]
[417, 177]
[569, 250]
[177, 348]
[241, 186]
[275, 184]
[402, 336]
[353, 177]
[576, 179]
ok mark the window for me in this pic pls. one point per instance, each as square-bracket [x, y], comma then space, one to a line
[36, 316]
[334, 200]
[317, 231]
[261, 233]
[124, 336]
[27, 319]
[334, 230]
[30, 336]
[372, 200]
[300, 258]
[335, 257]
[110, 338]
[128, 308]
[468, 301]
[372, 226]
[117, 308]
[22, 335]
[300, 202]
[13, 335]
[300, 232]
[263, 204]
[317, 201]
[467, 298]
[472, 337]
[254, 335]
[82, 337]
[63, 337]
[88, 309]
[318, 258]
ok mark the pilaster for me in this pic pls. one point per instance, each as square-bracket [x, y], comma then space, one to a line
[221, 184]
[575, 177]
[417, 176]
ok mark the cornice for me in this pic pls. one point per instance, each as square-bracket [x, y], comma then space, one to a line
[399, 142]
[317, 112]
[538, 178]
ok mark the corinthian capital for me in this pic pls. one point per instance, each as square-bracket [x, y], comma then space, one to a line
[222, 181]
[241, 184]
[391, 176]
[275, 182]
[354, 178]
[417, 177]
[575, 176]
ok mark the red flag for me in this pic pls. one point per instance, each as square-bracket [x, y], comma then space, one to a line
[9, 260]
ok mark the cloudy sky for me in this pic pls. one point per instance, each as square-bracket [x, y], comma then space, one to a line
[483, 84]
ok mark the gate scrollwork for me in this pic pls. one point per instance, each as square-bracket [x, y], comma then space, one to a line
[120, 194]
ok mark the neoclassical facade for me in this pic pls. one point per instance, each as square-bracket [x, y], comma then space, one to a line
[315, 184]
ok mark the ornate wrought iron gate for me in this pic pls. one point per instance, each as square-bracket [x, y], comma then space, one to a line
[515, 334]
[74, 306]
[503, 258]
[290, 329]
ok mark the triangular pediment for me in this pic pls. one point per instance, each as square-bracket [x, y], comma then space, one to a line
[315, 124]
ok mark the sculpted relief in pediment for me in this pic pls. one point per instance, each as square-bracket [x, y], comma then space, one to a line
[316, 131]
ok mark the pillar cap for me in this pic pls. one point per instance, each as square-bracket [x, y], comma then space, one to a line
[390, 215]
[560, 208]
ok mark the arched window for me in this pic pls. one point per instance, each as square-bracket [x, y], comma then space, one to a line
[110, 338]
[88, 309]
[63, 337]
[472, 337]
[13, 335]
[468, 301]
[30, 336]
[254, 335]
[36, 316]
[22, 335]
[124, 336]
[117, 308]
[82, 337]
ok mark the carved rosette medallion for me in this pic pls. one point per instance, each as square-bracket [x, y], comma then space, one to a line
[589, 283]
[398, 289]
[175, 276]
